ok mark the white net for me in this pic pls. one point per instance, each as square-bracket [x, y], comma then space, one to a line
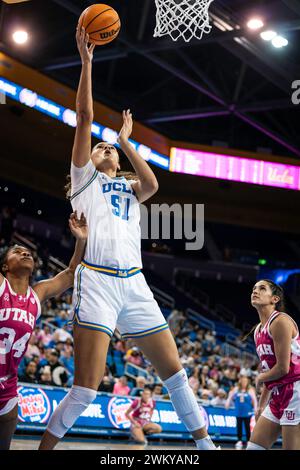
[182, 18]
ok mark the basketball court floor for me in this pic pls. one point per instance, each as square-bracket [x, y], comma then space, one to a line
[32, 443]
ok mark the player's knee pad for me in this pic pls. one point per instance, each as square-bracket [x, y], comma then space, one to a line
[184, 401]
[69, 409]
[253, 446]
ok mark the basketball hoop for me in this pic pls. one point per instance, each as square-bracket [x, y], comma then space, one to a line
[182, 18]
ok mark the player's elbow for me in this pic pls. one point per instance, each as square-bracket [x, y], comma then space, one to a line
[152, 186]
[283, 369]
[84, 117]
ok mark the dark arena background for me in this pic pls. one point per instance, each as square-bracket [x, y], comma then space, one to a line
[217, 119]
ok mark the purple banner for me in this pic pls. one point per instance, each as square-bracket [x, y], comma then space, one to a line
[226, 167]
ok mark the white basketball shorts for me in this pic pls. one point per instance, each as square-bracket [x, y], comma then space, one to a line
[284, 405]
[107, 298]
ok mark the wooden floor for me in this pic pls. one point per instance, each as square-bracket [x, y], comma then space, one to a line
[28, 443]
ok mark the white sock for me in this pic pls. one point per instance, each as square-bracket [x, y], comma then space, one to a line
[253, 446]
[205, 444]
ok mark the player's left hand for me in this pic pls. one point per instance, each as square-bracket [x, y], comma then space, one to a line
[259, 381]
[126, 130]
[78, 227]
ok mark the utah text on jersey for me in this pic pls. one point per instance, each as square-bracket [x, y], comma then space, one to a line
[264, 350]
[17, 314]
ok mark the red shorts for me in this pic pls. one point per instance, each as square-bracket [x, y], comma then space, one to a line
[284, 405]
[142, 422]
[8, 395]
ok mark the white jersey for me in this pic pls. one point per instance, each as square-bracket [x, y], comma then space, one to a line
[113, 216]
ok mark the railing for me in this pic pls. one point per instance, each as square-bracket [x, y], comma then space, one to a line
[231, 337]
[133, 371]
[55, 264]
[251, 358]
[161, 296]
[200, 319]
[226, 314]
[229, 350]
[19, 239]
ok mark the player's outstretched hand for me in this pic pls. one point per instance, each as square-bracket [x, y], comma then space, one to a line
[126, 130]
[78, 227]
[85, 51]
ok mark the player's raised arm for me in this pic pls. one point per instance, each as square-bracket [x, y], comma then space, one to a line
[147, 184]
[84, 102]
[64, 280]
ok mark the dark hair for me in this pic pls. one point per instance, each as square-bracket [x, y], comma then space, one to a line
[4, 254]
[148, 387]
[129, 175]
[3, 257]
[280, 305]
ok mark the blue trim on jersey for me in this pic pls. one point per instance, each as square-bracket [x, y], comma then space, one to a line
[76, 308]
[92, 326]
[95, 174]
[150, 331]
[115, 272]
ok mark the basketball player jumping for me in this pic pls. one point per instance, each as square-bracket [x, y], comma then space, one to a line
[20, 307]
[278, 347]
[110, 290]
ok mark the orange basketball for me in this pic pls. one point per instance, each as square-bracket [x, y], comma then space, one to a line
[101, 22]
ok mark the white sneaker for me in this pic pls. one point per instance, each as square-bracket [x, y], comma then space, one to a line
[239, 445]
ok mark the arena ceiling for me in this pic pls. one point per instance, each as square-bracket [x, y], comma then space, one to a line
[231, 86]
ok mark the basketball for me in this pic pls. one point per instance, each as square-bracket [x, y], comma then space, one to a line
[101, 22]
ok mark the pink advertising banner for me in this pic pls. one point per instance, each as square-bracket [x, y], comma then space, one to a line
[226, 167]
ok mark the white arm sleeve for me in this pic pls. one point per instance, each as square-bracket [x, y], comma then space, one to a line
[80, 176]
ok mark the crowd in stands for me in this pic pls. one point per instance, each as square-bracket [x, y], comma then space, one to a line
[49, 359]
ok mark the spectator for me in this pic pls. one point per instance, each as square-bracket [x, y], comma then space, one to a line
[108, 382]
[246, 371]
[59, 373]
[244, 399]
[32, 348]
[205, 395]
[135, 357]
[157, 392]
[175, 319]
[45, 335]
[225, 381]
[204, 377]
[121, 387]
[61, 334]
[30, 375]
[46, 376]
[194, 380]
[120, 346]
[67, 359]
[140, 383]
[220, 399]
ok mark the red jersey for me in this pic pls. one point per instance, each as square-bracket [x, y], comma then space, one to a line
[18, 315]
[265, 349]
[142, 411]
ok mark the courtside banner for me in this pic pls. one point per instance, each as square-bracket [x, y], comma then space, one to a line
[106, 415]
